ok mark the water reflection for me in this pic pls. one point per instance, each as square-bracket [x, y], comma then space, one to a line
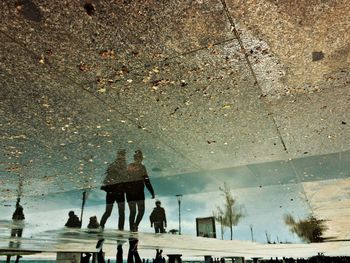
[253, 200]
[16, 229]
[73, 220]
[310, 229]
[128, 182]
[228, 215]
[133, 254]
[158, 218]
[135, 190]
[262, 207]
[114, 186]
[93, 223]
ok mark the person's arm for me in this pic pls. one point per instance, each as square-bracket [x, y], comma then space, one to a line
[149, 186]
[151, 218]
[148, 182]
[164, 218]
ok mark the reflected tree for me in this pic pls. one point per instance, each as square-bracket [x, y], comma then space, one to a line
[309, 230]
[229, 214]
[219, 215]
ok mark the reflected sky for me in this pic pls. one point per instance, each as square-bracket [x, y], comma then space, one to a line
[262, 207]
[264, 193]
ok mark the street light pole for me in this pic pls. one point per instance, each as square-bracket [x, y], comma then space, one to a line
[179, 197]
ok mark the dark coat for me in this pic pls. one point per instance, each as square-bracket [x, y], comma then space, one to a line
[158, 215]
[73, 221]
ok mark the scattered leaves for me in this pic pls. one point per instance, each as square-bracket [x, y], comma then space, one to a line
[107, 54]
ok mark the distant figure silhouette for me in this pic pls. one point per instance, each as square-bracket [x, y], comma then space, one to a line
[73, 220]
[17, 228]
[114, 185]
[93, 223]
[135, 194]
[158, 218]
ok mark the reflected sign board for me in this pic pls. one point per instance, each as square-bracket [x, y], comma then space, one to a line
[206, 227]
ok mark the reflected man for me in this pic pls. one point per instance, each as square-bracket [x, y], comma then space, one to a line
[17, 228]
[158, 218]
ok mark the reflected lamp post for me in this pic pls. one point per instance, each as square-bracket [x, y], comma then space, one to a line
[179, 197]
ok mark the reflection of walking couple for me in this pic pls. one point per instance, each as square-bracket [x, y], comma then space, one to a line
[128, 181]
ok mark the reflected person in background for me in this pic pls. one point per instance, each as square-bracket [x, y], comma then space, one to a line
[93, 223]
[73, 220]
[135, 193]
[17, 228]
[158, 218]
[114, 186]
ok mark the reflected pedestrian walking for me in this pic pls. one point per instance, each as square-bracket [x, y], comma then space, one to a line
[114, 185]
[158, 218]
[73, 220]
[135, 194]
[16, 229]
[93, 223]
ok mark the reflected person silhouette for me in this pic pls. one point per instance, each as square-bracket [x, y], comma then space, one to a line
[93, 223]
[135, 194]
[158, 218]
[17, 228]
[114, 186]
[73, 220]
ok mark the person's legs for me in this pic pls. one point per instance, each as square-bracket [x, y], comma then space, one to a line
[86, 258]
[130, 256]
[156, 227]
[132, 208]
[14, 232]
[121, 211]
[162, 230]
[140, 211]
[8, 259]
[120, 199]
[137, 257]
[17, 258]
[109, 208]
[100, 257]
[133, 251]
[119, 257]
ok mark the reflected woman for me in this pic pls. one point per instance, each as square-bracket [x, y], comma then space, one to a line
[114, 185]
[138, 179]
